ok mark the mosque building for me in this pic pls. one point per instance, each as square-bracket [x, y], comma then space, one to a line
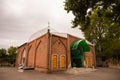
[51, 51]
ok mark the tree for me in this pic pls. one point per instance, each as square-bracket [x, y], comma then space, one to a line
[3, 53]
[113, 40]
[80, 9]
[100, 22]
[103, 32]
[12, 54]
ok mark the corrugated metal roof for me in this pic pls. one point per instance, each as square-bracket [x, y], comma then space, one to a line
[40, 33]
[60, 34]
[52, 31]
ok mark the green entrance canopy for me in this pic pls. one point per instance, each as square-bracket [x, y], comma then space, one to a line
[81, 43]
[77, 49]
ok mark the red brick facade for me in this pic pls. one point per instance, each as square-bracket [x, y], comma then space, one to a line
[20, 56]
[48, 53]
[41, 53]
[58, 49]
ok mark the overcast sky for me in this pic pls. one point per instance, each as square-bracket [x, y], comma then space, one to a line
[19, 19]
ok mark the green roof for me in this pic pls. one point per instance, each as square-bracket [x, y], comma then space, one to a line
[81, 43]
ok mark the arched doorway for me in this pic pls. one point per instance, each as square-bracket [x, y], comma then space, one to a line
[77, 50]
[77, 57]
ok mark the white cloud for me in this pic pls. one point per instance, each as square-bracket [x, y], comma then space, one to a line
[19, 19]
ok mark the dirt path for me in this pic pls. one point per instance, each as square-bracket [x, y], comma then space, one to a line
[99, 74]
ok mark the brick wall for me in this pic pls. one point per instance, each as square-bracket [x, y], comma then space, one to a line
[41, 59]
[31, 54]
[20, 54]
[58, 53]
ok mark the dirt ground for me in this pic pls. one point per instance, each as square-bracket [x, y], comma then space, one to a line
[8, 73]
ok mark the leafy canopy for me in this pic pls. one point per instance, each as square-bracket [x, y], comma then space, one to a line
[80, 10]
[3, 53]
[12, 54]
[100, 22]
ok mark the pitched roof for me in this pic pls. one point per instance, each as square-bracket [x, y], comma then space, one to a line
[52, 31]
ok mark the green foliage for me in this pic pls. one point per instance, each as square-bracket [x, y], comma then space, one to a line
[8, 58]
[100, 22]
[3, 53]
[79, 9]
[12, 54]
[113, 40]
[12, 50]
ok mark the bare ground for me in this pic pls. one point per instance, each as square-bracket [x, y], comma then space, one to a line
[8, 73]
